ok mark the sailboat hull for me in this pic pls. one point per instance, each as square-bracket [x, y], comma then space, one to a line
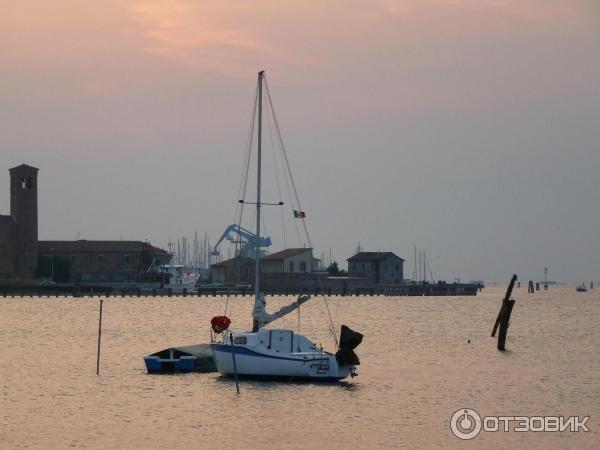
[265, 364]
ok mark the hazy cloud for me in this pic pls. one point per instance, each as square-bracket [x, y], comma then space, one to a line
[468, 127]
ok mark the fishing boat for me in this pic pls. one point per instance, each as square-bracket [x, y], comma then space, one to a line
[176, 277]
[278, 353]
[179, 277]
[581, 288]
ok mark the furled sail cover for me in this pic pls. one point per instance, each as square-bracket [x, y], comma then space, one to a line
[349, 340]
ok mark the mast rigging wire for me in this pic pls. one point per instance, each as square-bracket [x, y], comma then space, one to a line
[289, 171]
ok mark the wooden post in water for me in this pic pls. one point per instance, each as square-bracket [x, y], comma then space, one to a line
[530, 289]
[99, 337]
[503, 318]
[504, 322]
[511, 285]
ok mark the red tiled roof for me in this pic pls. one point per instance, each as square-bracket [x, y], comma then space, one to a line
[371, 256]
[288, 252]
[228, 262]
[85, 246]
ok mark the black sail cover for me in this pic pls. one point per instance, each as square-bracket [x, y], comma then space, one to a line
[349, 340]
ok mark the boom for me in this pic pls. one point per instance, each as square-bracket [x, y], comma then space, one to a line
[262, 317]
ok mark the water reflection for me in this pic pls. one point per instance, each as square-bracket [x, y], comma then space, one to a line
[416, 371]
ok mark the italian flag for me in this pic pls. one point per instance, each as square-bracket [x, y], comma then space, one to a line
[299, 214]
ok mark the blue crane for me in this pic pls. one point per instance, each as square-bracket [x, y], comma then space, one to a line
[247, 240]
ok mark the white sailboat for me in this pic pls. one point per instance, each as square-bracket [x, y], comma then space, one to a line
[278, 353]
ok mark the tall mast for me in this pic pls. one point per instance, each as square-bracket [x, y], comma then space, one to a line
[424, 267]
[415, 277]
[255, 324]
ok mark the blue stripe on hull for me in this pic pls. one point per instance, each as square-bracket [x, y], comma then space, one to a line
[297, 379]
[246, 351]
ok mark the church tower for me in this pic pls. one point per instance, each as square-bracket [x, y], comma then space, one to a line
[23, 208]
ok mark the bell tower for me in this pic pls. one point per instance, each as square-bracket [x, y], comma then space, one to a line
[23, 208]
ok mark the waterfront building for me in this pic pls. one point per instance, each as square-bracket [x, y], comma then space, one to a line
[22, 256]
[86, 261]
[233, 271]
[290, 260]
[380, 267]
[287, 266]
[19, 230]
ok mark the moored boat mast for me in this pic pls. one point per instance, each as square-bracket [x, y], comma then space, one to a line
[255, 323]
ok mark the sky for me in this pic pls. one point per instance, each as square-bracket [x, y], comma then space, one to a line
[468, 128]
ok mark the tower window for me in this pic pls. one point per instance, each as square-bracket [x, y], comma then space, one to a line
[26, 183]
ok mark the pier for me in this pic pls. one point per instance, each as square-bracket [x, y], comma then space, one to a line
[408, 290]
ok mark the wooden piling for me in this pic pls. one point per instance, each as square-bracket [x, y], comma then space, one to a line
[503, 319]
[504, 322]
[99, 337]
[511, 285]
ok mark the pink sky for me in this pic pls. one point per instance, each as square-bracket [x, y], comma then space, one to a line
[392, 89]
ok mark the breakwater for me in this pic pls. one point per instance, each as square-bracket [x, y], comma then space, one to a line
[408, 290]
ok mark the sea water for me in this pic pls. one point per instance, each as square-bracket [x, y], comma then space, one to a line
[422, 359]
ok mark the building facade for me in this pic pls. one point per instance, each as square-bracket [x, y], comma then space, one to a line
[292, 263]
[8, 247]
[290, 260]
[233, 271]
[19, 230]
[380, 267]
[86, 261]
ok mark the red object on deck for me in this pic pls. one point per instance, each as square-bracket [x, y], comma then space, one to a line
[220, 323]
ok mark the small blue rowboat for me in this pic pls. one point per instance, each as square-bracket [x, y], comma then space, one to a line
[189, 358]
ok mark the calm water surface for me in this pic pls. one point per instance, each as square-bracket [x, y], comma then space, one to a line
[417, 370]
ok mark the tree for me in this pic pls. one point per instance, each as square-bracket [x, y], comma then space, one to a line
[334, 270]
